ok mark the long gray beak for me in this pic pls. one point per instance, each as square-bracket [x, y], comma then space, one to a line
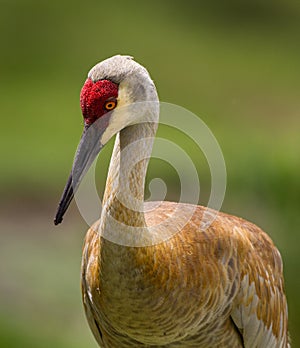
[87, 150]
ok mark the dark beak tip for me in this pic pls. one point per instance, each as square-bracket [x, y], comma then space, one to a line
[64, 202]
[57, 221]
[58, 217]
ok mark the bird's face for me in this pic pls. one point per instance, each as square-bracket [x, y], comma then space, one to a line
[111, 87]
[107, 107]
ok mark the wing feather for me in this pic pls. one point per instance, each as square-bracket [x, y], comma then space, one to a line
[260, 308]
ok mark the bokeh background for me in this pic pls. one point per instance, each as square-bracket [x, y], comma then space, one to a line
[235, 63]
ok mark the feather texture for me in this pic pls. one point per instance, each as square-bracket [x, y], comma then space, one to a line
[193, 290]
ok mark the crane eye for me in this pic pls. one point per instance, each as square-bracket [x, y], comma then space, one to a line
[110, 104]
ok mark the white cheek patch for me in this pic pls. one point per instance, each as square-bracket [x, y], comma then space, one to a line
[121, 116]
[129, 112]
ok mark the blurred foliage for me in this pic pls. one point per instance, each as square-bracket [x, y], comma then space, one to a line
[236, 64]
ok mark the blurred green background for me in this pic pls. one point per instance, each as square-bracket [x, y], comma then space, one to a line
[235, 63]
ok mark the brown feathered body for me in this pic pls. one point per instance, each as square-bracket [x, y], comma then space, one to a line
[197, 289]
[216, 286]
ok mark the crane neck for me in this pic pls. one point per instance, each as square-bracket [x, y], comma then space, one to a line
[124, 192]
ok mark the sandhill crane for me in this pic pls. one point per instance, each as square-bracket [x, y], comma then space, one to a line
[221, 286]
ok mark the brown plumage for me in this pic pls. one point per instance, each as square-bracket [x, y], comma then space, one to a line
[164, 274]
[189, 291]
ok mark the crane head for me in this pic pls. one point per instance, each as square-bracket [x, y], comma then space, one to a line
[112, 86]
